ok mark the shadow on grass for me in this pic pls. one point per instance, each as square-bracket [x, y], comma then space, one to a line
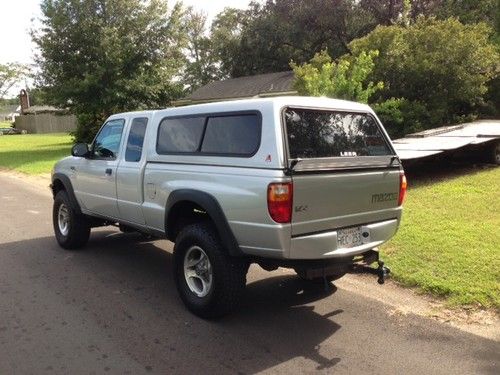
[433, 171]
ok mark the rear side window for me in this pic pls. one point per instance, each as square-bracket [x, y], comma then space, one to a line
[234, 134]
[180, 134]
[323, 134]
[135, 140]
[237, 135]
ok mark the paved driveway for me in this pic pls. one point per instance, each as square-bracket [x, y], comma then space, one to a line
[113, 308]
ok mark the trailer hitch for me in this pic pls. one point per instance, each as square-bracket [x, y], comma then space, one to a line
[363, 266]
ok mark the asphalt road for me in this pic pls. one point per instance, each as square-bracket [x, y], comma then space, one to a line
[113, 308]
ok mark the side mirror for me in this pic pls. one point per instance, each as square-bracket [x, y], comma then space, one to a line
[80, 150]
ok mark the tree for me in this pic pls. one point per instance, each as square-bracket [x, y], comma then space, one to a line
[202, 63]
[389, 12]
[469, 11]
[10, 74]
[225, 35]
[344, 79]
[98, 57]
[278, 31]
[442, 66]
[265, 37]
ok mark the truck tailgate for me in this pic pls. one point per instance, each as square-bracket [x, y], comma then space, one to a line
[337, 199]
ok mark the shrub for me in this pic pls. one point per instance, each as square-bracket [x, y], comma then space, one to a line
[401, 116]
[441, 67]
[342, 79]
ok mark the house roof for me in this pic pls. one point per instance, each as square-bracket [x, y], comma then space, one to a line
[244, 87]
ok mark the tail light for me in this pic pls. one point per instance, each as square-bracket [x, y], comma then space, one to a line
[279, 201]
[402, 188]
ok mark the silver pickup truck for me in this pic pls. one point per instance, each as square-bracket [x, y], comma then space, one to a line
[311, 184]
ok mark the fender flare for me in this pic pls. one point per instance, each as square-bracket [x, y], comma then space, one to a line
[213, 209]
[66, 182]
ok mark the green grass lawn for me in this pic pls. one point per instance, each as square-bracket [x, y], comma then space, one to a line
[33, 153]
[449, 240]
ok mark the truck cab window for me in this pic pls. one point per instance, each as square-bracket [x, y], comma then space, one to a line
[135, 140]
[107, 143]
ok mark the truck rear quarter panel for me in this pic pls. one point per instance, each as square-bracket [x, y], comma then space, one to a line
[241, 193]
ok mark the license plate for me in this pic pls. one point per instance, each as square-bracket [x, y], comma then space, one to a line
[349, 237]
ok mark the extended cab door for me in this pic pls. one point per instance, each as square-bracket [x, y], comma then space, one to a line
[129, 186]
[345, 172]
[95, 176]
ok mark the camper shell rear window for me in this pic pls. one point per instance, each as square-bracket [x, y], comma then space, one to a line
[315, 133]
[325, 139]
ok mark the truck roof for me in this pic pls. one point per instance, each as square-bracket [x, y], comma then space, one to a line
[256, 103]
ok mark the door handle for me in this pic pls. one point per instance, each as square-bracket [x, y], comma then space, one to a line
[109, 171]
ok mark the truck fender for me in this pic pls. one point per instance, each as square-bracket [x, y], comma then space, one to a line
[59, 178]
[210, 205]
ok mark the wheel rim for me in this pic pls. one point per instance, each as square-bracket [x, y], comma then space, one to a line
[198, 271]
[63, 219]
[497, 153]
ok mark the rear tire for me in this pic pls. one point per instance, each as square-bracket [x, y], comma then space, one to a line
[209, 281]
[72, 230]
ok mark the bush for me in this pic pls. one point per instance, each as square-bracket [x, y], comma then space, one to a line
[401, 116]
[441, 68]
[345, 78]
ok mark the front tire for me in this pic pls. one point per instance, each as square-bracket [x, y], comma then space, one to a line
[209, 281]
[72, 230]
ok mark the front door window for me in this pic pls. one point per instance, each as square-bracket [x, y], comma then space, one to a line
[107, 143]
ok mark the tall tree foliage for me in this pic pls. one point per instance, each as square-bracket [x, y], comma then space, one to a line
[266, 36]
[278, 31]
[342, 79]
[469, 11]
[225, 35]
[202, 64]
[11, 74]
[442, 67]
[102, 56]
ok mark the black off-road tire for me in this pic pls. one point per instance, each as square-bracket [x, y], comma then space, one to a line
[228, 273]
[79, 228]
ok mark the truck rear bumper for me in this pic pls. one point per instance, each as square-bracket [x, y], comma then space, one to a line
[324, 245]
